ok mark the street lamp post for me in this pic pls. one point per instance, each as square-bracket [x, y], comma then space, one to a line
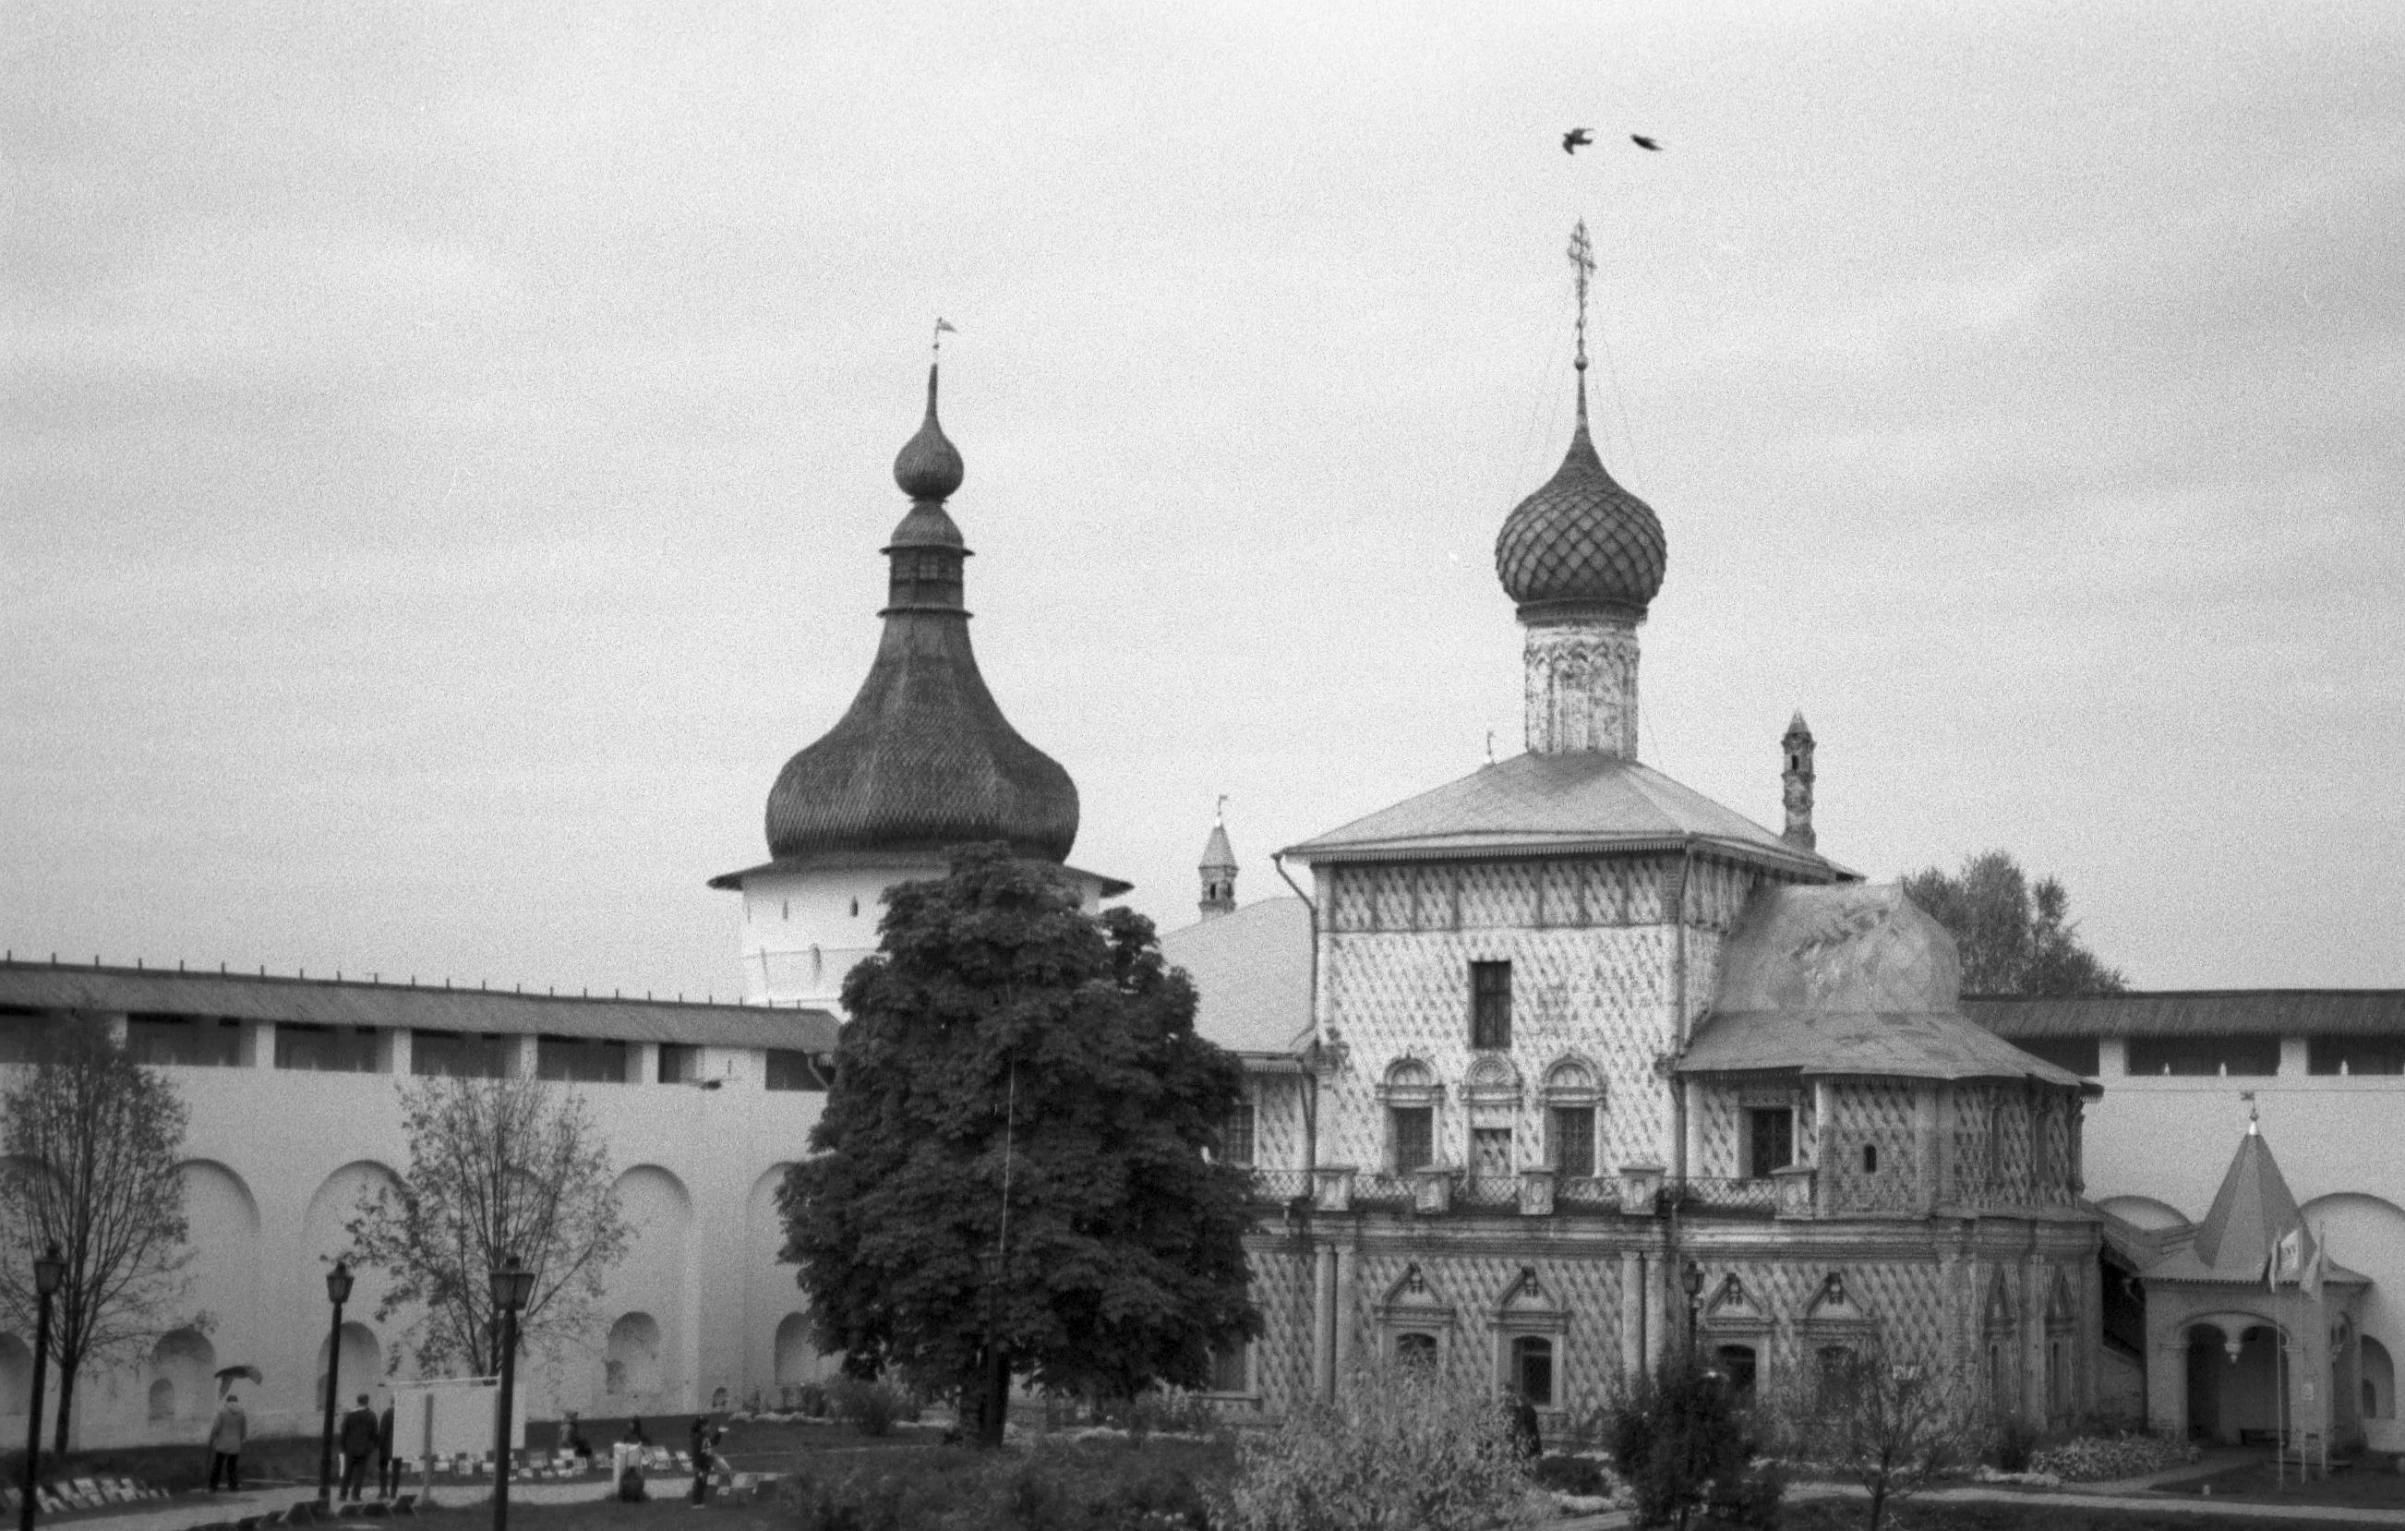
[1691, 1280]
[49, 1269]
[338, 1292]
[513, 1284]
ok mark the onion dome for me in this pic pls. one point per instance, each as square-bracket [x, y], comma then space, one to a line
[1581, 545]
[923, 759]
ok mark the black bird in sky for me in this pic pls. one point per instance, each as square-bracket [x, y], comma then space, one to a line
[1576, 139]
[1642, 142]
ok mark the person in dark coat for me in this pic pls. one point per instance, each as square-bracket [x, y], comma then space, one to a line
[388, 1466]
[1527, 1436]
[705, 1443]
[358, 1444]
[630, 1477]
[225, 1444]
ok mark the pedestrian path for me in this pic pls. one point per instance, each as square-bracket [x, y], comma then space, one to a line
[189, 1510]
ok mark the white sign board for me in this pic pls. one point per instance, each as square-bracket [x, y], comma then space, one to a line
[451, 1416]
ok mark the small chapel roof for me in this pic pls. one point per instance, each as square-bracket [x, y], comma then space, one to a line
[1851, 979]
[1252, 976]
[2251, 1212]
[1555, 805]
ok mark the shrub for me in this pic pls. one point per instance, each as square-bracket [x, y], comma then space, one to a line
[1163, 1410]
[811, 1400]
[2101, 1458]
[2012, 1445]
[1680, 1441]
[869, 1407]
[1402, 1450]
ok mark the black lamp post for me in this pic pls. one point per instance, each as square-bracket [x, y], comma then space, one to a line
[989, 1265]
[338, 1292]
[1691, 1280]
[513, 1285]
[49, 1269]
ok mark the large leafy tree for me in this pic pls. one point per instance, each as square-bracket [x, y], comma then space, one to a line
[497, 1168]
[92, 1139]
[2015, 937]
[1014, 1175]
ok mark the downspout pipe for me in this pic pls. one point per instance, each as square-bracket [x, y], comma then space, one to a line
[1310, 1076]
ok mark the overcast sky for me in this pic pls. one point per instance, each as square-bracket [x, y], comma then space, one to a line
[447, 445]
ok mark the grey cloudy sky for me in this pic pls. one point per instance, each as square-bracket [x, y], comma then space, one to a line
[448, 444]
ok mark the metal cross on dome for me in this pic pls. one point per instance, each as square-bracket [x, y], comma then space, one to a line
[1582, 262]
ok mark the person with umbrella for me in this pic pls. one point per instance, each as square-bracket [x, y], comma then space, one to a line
[225, 1444]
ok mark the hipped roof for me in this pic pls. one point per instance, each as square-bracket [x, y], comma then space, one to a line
[1832, 1044]
[2251, 1212]
[385, 1006]
[1557, 805]
[1252, 976]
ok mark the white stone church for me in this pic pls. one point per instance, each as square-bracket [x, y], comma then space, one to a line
[1555, 1063]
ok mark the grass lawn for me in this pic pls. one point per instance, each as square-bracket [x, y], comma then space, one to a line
[2373, 1483]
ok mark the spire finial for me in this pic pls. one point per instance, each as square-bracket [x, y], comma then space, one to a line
[1219, 814]
[943, 327]
[2254, 1118]
[1582, 266]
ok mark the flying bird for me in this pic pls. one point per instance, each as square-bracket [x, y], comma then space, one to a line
[1642, 142]
[1575, 139]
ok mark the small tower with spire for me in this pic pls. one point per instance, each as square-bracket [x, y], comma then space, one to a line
[1796, 782]
[1581, 558]
[1218, 868]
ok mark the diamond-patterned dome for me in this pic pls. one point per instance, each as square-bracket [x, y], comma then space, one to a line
[1581, 540]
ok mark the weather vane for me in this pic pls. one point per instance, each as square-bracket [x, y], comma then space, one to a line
[1582, 262]
[943, 327]
[2251, 1118]
[1220, 815]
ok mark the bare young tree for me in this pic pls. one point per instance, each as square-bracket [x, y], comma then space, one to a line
[92, 1139]
[1892, 1424]
[498, 1168]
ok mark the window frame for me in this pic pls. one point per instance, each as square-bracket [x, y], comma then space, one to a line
[1490, 1005]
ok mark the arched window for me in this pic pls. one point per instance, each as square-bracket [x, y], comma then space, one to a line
[1572, 1099]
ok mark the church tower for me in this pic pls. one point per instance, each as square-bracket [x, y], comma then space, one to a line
[1218, 868]
[1581, 558]
[1796, 783]
[923, 760]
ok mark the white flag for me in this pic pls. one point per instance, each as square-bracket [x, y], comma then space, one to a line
[2288, 1256]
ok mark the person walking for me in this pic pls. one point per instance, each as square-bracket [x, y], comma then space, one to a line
[705, 1441]
[388, 1466]
[358, 1444]
[225, 1444]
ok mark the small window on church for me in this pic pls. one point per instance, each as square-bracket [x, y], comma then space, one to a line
[855, 908]
[1416, 1350]
[1237, 1140]
[1490, 1005]
[1414, 1129]
[1532, 1369]
[1770, 1140]
[1870, 1158]
[1574, 1141]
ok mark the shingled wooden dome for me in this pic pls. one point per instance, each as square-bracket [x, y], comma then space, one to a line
[1581, 542]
